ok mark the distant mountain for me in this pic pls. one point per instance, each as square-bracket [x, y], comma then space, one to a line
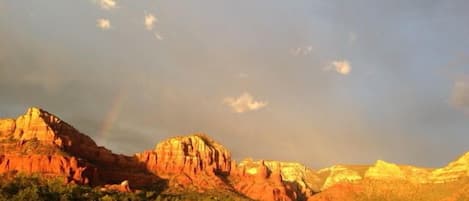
[40, 143]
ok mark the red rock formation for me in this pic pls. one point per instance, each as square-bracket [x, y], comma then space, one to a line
[341, 191]
[194, 161]
[35, 143]
[197, 162]
[55, 165]
[191, 155]
[39, 142]
[256, 181]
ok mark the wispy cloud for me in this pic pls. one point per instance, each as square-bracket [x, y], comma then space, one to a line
[342, 67]
[150, 21]
[244, 103]
[158, 36]
[301, 51]
[104, 24]
[460, 93]
[107, 4]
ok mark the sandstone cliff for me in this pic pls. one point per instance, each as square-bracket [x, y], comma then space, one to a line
[258, 182]
[192, 155]
[339, 174]
[300, 177]
[39, 142]
[380, 171]
[32, 144]
[453, 171]
[193, 161]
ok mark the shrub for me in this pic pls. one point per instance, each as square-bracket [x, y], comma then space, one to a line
[35, 188]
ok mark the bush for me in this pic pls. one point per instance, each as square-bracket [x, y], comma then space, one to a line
[36, 188]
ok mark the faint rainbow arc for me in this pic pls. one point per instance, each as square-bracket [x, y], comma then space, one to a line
[112, 114]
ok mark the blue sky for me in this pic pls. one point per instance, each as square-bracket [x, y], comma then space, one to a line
[319, 82]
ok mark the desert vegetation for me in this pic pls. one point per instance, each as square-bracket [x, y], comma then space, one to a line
[36, 188]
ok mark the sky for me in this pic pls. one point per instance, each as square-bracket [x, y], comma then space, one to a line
[319, 82]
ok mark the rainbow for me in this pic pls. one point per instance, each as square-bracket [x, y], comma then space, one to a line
[112, 114]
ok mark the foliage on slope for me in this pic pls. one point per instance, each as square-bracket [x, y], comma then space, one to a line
[36, 188]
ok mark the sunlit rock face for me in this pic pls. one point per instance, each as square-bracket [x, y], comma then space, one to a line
[39, 142]
[7, 128]
[55, 165]
[298, 176]
[417, 175]
[339, 174]
[35, 143]
[382, 170]
[197, 162]
[192, 154]
[189, 161]
[257, 181]
[340, 192]
[453, 171]
[37, 124]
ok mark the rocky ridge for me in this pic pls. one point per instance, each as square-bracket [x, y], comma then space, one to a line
[39, 142]
[453, 171]
[194, 161]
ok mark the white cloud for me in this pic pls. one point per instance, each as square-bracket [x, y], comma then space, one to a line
[158, 36]
[342, 67]
[244, 103]
[104, 24]
[301, 51]
[150, 21]
[107, 4]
